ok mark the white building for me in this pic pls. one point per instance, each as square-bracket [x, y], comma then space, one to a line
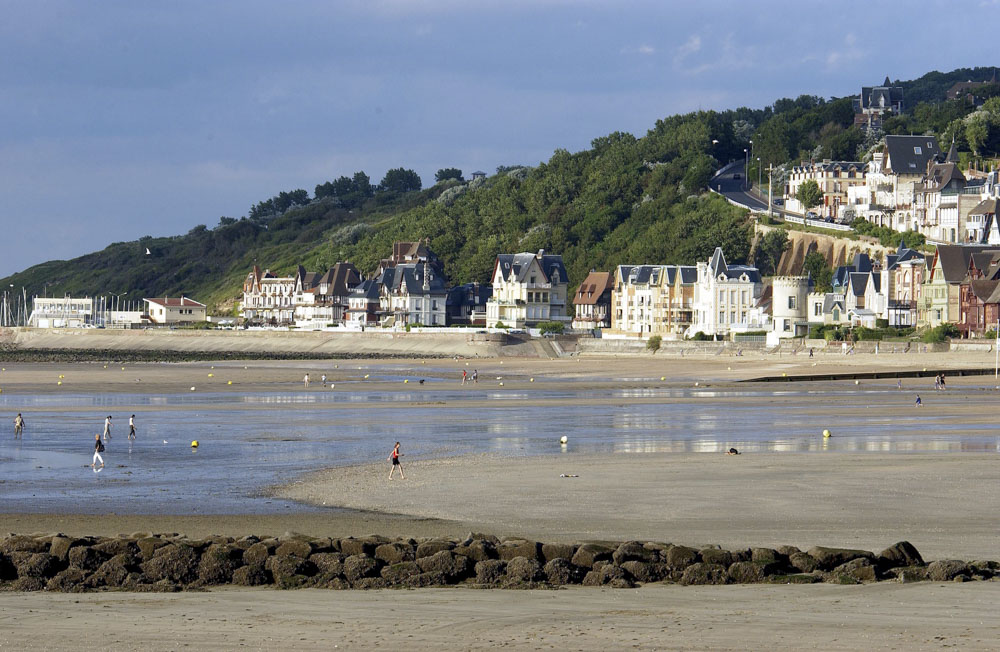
[268, 299]
[527, 289]
[175, 310]
[61, 312]
[896, 171]
[413, 293]
[789, 306]
[834, 178]
[726, 297]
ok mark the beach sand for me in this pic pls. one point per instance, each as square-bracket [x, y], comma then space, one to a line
[944, 503]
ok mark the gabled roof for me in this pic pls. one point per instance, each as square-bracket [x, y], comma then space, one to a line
[910, 154]
[986, 207]
[718, 266]
[983, 289]
[182, 302]
[515, 267]
[954, 260]
[831, 300]
[859, 283]
[594, 288]
[340, 279]
[367, 289]
[939, 175]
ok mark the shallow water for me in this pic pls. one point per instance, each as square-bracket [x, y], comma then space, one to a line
[250, 441]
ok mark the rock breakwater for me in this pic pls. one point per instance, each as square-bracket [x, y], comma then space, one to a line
[169, 562]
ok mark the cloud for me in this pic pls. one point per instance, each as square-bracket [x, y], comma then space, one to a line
[645, 50]
[691, 46]
[849, 53]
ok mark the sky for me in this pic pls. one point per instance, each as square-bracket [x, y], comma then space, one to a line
[125, 118]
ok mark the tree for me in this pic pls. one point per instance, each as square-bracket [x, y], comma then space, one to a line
[809, 194]
[400, 180]
[448, 173]
[653, 343]
[822, 276]
[769, 249]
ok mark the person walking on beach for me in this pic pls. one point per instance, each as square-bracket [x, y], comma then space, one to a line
[942, 382]
[98, 449]
[394, 458]
[18, 426]
[107, 428]
[323, 378]
[131, 427]
[306, 380]
[475, 376]
[918, 402]
[465, 376]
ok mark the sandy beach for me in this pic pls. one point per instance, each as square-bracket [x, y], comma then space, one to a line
[943, 501]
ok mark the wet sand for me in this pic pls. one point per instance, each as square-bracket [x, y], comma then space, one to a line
[946, 504]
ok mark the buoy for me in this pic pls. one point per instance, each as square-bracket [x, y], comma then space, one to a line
[729, 368]
[105, 366]
[563, 440]
[61, 376]
[826, 433]
[366, 376]
[406, 381]
[230, 382]
[194, 444]
[925, 368]
[783, 373]
[663, 377]
[501, 384]
[211, 375]
[332, 385]
[531, 380]
[192, 388]
[857, 382]
[123, 368]
[59, 383]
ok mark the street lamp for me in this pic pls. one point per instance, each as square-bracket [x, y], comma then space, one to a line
[758, 174]
[746, 166]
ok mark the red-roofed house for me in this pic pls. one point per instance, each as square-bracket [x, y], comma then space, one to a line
[593, 301]
[175, 310]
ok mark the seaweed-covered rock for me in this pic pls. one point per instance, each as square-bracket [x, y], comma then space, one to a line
[7, 569]
[297, 547]
[946, 570]
[490, 571]
[328, 564]
[646, 572]
[22, 543]
[452, 566]
[67, 581]
[560, 571]
[395, 552]
[610, 575]
[175, 563]
[478, 550]
[369, 583]
[149, 545]
[357, 567]
[766, 556]
[86, 558]
[257, 554]
[552, 551]
[751, 572]
[112, 546]
[680, 557]
[803, 562]
[218, 562]
[351, 546]
[60, 546]
[426, 579]
[701, 573]
[829, 558]
[28, 584]
[590, 553]
[522, 570]
[398, 573]
[861, 569]
[433, 547]
[900, 554]
[787, 551]
[512, 548]
[115, 572]
[633, 551]
[36, 564]
[717, 556]
[251, 575]
[907, 574]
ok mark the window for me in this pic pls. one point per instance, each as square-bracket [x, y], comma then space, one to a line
[791, 303]
[732, 317]
[722, 316]
[817, 309]
[917, 151]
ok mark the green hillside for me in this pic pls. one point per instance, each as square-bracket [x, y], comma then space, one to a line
[624, 200]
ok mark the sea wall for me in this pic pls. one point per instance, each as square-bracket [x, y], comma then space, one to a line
[162, 562]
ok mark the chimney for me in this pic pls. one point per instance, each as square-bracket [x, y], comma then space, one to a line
[427, 276]
[541, 252]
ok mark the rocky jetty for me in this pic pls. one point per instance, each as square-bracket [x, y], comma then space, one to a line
[170, 562]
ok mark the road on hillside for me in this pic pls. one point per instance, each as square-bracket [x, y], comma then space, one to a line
[728, 185]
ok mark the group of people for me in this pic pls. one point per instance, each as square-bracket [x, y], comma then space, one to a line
[474, 378]
[100, 438]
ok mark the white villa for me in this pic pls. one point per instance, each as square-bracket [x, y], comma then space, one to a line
[725, 300]
[527, 289]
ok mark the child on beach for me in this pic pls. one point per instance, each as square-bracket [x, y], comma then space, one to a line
[98, 449]
[394, 458]
[18, 426]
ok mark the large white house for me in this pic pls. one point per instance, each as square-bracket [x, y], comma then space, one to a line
[725, 298]
[175, 310]
[268, 299]
[527, 289]
[413, 293]
[897, 170]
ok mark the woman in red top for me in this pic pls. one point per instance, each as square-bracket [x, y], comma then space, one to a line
[394, 458]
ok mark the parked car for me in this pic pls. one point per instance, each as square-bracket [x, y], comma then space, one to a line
[737, 176]
[778, 202]
[812, 215]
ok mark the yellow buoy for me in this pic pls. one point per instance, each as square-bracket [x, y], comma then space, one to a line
[105, 366]
[211, 375]
[663, 377]
[230, 382]
[826, 433]
[696, 384]
[366, 376]
[531, 380]
[61, 376]
[406, 381]
[783, 373]
[194, 444]
[123, 368]
[59, 383]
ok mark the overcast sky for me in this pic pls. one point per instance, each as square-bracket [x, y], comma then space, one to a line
[123, 118]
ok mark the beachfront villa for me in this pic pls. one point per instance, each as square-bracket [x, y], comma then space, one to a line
[592, 302]
[527, 289]
[726, 297]
[649, 300]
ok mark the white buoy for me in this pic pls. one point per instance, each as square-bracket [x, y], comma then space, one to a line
[857, 382]
[531, 380]
[563, 440]
[696, 384]
[501, 384]
[192, 388]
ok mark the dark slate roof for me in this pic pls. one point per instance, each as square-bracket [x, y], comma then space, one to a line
[469, 294]
[983, 289]
[940, 175]
[910, 154]
[516, 266]
[831, 299]
[409, 277]
[340, 278]
[870, 95]
[367, 289]
[954, 260]
[689, 274]
[719, 267]
[986, 207]
[902, 255]
[859, 283]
